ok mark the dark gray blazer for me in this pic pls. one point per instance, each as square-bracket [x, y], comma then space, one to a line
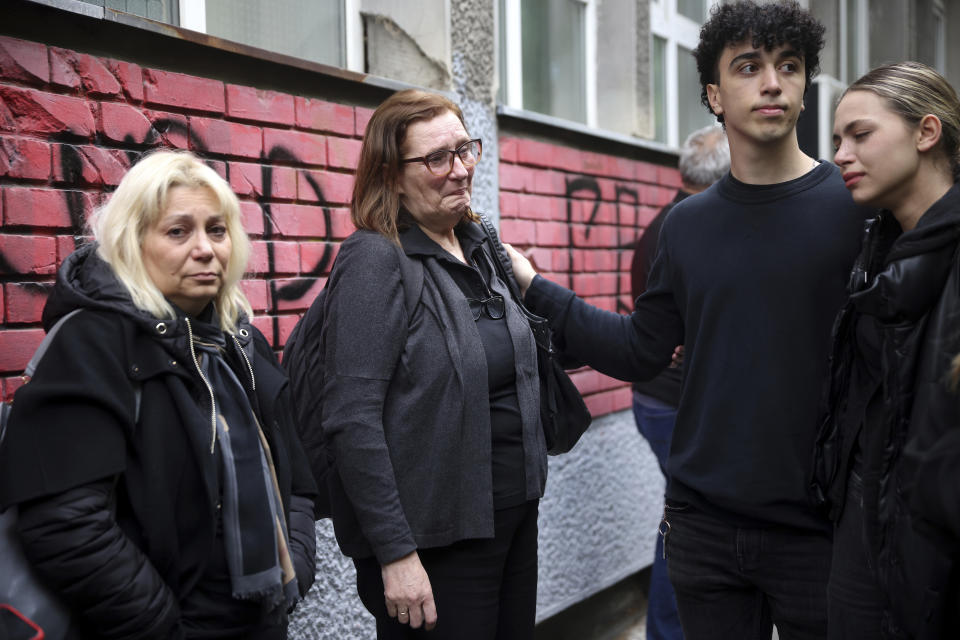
[406, 412]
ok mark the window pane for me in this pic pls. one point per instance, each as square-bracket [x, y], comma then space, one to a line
[693, 9]
[691, 113]
[301, 28]
[553, 58]
[659, 89]
[167, 11]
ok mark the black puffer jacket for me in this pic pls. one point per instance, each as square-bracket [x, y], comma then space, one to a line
[909, 285]
[119, 512]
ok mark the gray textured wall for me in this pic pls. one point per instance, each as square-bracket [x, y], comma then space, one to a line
[474, 80]
[598, 524]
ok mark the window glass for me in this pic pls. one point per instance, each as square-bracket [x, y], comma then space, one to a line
[693, 9]
[659, 89]
[300, 28]
[304, 29]
[553, 58]
[160, 10]
[690, 111]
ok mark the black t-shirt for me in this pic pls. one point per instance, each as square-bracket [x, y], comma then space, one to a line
[506, 427]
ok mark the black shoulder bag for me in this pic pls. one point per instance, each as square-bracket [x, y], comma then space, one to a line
[563, 414]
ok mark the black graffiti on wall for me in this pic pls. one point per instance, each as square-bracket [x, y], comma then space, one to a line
[586, 189]
[623, 195]
[71, 170]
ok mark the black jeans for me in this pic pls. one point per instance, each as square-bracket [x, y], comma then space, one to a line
[484, 589]
[854, 600]
[735, 582]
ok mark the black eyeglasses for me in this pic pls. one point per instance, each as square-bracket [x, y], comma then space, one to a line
[440, 163]
[492, 306]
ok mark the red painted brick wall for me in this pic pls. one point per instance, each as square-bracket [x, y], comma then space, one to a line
[71, 124]
[582, 211]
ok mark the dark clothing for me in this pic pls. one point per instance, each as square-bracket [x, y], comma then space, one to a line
[854, 599]
[655, 423]
[737, 582]
[908, 285]
[665, 387]
[119, 503]
[406, 404]
[655, 410]
[506, 426]
[483, 589]
[749, 279]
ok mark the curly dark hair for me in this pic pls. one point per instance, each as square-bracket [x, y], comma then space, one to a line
[767, 25]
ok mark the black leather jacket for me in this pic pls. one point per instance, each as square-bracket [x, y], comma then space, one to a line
[909, 285]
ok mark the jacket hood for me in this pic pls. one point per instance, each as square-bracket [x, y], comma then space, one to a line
[938, 227]
[914, 270]
[86, 281]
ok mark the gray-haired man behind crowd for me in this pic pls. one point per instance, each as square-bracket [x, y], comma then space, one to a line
[704, 159]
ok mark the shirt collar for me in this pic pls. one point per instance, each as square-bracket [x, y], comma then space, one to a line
[415, 242]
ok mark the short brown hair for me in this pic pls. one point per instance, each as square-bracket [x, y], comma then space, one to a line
[376, 191]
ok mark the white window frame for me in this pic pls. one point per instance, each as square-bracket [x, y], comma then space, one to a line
[678, 31]
[513, 50]
[193, 16]
[861, 53]
[940, 50]
[829, 88]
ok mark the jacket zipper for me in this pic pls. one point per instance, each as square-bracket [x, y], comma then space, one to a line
[213, 402]
[253, 381]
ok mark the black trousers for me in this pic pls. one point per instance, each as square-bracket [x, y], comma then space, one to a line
[855, 602]
[737, 582]
[484, 589]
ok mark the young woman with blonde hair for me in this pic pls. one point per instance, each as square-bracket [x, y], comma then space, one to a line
[891, 401]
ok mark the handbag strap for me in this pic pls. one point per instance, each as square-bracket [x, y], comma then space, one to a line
[45, 344]
[502, 259]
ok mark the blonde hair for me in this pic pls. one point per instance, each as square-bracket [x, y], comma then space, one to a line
[139, 202]
[913, 90]
[376, 189]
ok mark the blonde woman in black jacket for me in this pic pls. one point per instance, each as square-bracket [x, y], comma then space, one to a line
[897, 134]
[161, 489]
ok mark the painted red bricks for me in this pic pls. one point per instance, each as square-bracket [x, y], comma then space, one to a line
[72, 123]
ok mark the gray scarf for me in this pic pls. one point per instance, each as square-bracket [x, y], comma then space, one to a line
[254, 526]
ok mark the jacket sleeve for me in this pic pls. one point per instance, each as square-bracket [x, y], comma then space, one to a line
[363, 337]
[69, 424]
[935, 494]
[303, 541]
[635, 347]
[73, 541]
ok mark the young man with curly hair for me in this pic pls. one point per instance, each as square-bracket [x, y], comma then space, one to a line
[749, 276]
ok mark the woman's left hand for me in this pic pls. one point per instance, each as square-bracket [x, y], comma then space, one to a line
[407, 591]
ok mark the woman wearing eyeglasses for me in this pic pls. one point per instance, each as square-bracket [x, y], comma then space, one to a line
[430, 400]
